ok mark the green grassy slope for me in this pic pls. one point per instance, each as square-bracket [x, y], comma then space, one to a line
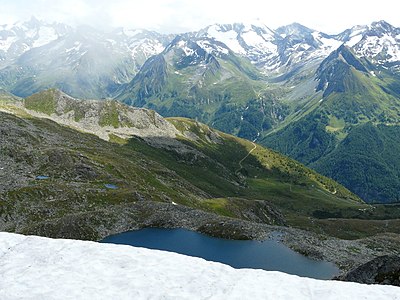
[202, 168]
[368, 160]
[223, 90]
[352, 133]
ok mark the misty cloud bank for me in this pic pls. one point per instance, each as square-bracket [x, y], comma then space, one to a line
[175, 16]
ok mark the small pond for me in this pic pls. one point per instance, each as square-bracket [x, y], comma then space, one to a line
[268, 255]
[111, 186]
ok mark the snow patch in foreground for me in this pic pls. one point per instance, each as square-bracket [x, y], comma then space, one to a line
[41, 268]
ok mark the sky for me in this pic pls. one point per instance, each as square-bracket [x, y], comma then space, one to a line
[175, 16]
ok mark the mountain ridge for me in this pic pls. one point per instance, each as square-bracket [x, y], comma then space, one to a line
[244, 79]
[60, 181]
[204, 148]
[280, 51]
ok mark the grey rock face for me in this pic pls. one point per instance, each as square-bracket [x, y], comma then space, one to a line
[381, 270]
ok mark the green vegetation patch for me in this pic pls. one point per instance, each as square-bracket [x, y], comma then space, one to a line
[109, 115]
[217, 205]
[335, 124]
[117, 139]
[44, 102]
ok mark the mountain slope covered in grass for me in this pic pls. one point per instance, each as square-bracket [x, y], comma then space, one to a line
[57, 180]
[200, 78]
[351, 133]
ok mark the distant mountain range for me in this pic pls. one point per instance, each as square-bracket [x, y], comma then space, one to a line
[321, 99]
[81, 61]
[36, 55]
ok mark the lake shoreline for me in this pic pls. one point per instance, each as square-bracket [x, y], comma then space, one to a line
[268, 255]
[97, 225]
[346, 254]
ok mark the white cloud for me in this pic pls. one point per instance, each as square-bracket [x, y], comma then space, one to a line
[184, 15]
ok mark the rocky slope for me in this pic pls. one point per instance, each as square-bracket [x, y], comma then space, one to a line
[380, 270]
[102, 118]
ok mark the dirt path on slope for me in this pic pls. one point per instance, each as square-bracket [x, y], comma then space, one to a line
[247, 155]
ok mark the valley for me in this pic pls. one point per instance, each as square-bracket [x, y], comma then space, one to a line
[237, 131]
[185, 175]
[318, 98]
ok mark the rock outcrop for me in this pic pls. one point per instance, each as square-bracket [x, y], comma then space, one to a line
[381, 270]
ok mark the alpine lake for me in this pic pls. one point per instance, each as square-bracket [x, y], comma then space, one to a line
[268, 255]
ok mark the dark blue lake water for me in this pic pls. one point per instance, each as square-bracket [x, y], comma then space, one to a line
[268, 255]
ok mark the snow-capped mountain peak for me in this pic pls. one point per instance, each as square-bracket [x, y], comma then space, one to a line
[23, 36]
[81, 61]
[273, 51]
[353, 35]
[227, 34]
[380, 28]
[379, 42]
[254, 41]
[294, 29]
[186, 50]
[35, 47]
